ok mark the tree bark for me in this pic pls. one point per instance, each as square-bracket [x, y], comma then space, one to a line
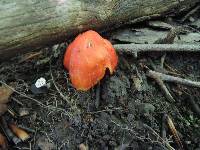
[32, 24]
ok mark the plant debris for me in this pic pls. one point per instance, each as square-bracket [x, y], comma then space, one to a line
[125, 110]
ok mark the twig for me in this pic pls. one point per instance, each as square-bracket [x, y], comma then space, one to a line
[156, 134]
[106, 110]
[169, 78]
[97, 94]
[17, 101]
[160, 77]
[12, 112]
[169, 38]
[162, 60]
[144, 18]
[34, 137]
[161, 141]
[194, 105]
[134, 49]
[190, 13]
[161, 84]
[30, 56]
[59, 91]
[125, 128]
[163, 131]
[172, 70]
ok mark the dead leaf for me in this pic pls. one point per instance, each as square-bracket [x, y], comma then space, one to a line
[3, 109]
[5, 93]
[3, 142]
[20, 133]
[138, 83]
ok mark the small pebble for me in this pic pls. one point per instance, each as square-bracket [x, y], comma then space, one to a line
[39, 87]
[23, 112]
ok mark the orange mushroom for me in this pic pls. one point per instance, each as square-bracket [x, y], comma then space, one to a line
[87, 59]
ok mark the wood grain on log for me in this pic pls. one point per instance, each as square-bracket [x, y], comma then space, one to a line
[32, 24]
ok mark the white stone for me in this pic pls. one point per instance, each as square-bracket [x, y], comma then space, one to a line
[40, 82]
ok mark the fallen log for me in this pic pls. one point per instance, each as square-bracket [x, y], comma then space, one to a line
[33, 24]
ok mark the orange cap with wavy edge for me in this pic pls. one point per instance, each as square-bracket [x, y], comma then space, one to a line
[87, 59]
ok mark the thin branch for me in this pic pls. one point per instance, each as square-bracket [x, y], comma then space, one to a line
[164, 89]
[160, 77]
[59, 91]
[170, 78]
[190, 13]
[194, 105]
[137, 48]
[161, 141]
[156, 134]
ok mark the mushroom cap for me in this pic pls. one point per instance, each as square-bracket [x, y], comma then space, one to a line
[87, 59]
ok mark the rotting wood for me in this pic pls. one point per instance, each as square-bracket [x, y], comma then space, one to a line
[33, 24]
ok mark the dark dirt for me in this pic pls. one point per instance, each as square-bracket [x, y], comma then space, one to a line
[130, 107]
